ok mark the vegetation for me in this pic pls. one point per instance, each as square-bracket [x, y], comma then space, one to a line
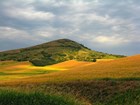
[111, 82]
[131, 97]
[99, 82]
[124, 68]
[55, 52]
[116, 69]
[93, 92]
[21, 98]
[13, 70]
[104, 92]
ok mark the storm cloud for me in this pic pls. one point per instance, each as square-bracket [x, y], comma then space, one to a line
[110, 26]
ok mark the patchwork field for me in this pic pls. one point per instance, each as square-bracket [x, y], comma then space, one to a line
[105, 82]
[11, 70]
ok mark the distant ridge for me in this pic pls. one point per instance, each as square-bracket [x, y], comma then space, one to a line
[54, 52]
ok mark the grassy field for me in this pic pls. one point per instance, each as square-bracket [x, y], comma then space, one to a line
[21, 98]
[105, 82]
[123, 68]
[15, 70]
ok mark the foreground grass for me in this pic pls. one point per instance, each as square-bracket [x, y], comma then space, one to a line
[92, 92]
[104, 92]
[131, 97]
[19, 98]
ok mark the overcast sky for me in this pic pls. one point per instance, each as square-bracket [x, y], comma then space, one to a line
[111, 26]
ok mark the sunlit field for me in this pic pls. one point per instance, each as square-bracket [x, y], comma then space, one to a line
[15, 70]
[124, 68]
[105, 82]
[12, 70]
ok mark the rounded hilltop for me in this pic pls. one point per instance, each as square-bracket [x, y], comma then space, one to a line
[54, 52]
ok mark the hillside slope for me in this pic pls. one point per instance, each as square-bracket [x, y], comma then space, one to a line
[123, 68]
[71, 64]
[54, 52]
[114, 82]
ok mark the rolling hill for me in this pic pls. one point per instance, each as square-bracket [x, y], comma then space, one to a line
[123, 68]
[105, 82]
[54, 52]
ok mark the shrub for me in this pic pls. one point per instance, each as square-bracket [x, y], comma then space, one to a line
[94, 60]
[42, 62]
[38, 62]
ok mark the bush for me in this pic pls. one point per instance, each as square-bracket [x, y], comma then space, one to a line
[42, 62]
[38, 62]
[94, 60]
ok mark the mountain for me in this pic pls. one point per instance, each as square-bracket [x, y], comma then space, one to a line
[54, 52]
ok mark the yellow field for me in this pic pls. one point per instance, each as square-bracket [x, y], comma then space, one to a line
[71, 64]
[11, 70]
[15, 70]
[24, 72]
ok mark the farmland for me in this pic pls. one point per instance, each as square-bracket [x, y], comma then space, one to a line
[97, 83]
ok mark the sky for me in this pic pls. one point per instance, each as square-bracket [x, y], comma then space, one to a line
[111, 26]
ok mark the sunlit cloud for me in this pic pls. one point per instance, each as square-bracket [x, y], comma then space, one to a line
[28, 13]
[111, 40]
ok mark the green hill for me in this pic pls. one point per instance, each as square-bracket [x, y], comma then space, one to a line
[55, 52]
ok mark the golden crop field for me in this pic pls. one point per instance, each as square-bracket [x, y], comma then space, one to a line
[12, 70]
[92, 83]
[128, 67]
[123, 68]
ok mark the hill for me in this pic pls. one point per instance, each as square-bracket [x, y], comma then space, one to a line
[54, 52]
[105, 82]
[123, 68]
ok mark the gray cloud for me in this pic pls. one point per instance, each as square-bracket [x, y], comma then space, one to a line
[105, 25]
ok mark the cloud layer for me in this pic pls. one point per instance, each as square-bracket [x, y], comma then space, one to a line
[105, 25]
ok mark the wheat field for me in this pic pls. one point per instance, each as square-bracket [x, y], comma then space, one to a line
[123, 68]
[105, 82]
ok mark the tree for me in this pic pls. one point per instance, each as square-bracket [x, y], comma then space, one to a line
[94, 60]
